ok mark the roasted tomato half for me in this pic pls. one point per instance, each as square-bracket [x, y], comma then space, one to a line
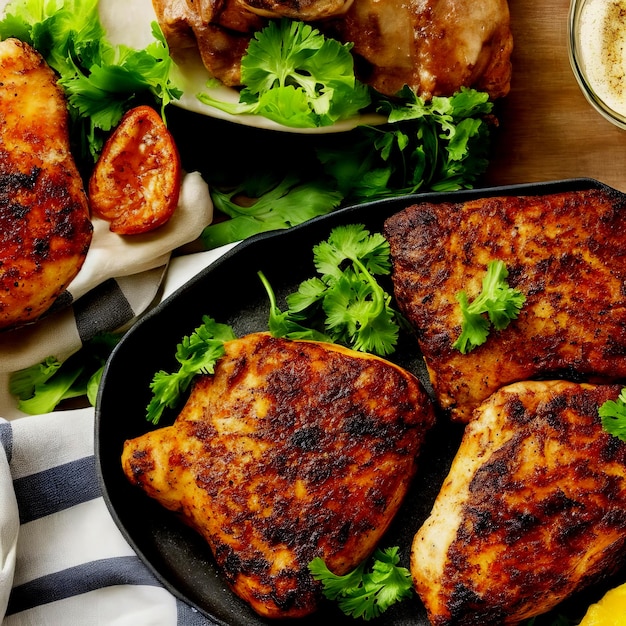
[135, 184]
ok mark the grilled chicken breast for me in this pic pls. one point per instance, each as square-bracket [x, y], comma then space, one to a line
[533, 509]
[45, 229]
[290, 451]
[563, 251]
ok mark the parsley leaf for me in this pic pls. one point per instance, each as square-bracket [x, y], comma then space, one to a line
[366, 594]
[438, 146]
[272, 205]
[197, 354]
[296, 76]
[288, 323]
[101, 81]
[40, 388]
[441, 145]
[500, 302]
[345, 304]
[613, 416]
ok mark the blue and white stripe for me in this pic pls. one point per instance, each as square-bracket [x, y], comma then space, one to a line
[63, 559]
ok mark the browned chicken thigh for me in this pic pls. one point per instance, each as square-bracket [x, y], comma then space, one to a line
[564, 252]
[433, 46]
[45, 229]
[291, 451]
[219, 31]
[533, 508]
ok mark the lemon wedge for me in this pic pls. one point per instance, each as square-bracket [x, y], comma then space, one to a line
[610, 610]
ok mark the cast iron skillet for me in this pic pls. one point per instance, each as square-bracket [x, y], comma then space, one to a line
[230, 291]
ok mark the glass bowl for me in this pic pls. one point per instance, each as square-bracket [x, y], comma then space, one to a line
[597, 52]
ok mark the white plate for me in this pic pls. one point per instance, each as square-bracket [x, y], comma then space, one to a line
[129, 23]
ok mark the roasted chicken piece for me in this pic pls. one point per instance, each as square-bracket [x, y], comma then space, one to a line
[290, 451]
[532, 510]
[219, 31]
[563, 251]
[433, 46]
[45, 230]
[305, 10]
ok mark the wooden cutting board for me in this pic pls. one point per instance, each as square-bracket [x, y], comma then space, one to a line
[548, 129]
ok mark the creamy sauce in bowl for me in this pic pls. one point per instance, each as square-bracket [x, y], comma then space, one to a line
[598, 54]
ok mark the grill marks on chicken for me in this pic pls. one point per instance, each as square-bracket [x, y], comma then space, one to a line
[533, 509]
[434, 46]
[45, 229]
[564, 252]
[291, 450]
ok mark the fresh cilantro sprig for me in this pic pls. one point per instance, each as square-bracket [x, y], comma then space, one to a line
[440, 145]
[497, 300]
[197, 354]
[613, 416]
[101, 80]
[289, 324]
[366, 594]
[40, 388]
[296, 76]
[273, 205]
[345, 304]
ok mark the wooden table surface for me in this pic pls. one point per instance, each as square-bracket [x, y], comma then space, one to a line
[548, 129]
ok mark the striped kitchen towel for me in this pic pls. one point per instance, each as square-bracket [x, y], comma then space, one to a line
[62, 558]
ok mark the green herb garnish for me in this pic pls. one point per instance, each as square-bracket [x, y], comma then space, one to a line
[197, 354]
[442, 145]
[273, 206]
[101, 81]
[366, 594]
[345, 304]
[613, 416]
[497, 300]
[295, 76]
[40, 388]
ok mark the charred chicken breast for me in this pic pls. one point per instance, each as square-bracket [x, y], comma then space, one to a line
[533, 508]
[290, 451]
[45, 229]
[563, 251]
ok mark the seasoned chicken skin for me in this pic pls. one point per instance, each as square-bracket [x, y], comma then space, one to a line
[290, 451]
[219, 30]
[305, 10]
[533, 509]
[433, 46]
[563, 251]
[45, 229]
